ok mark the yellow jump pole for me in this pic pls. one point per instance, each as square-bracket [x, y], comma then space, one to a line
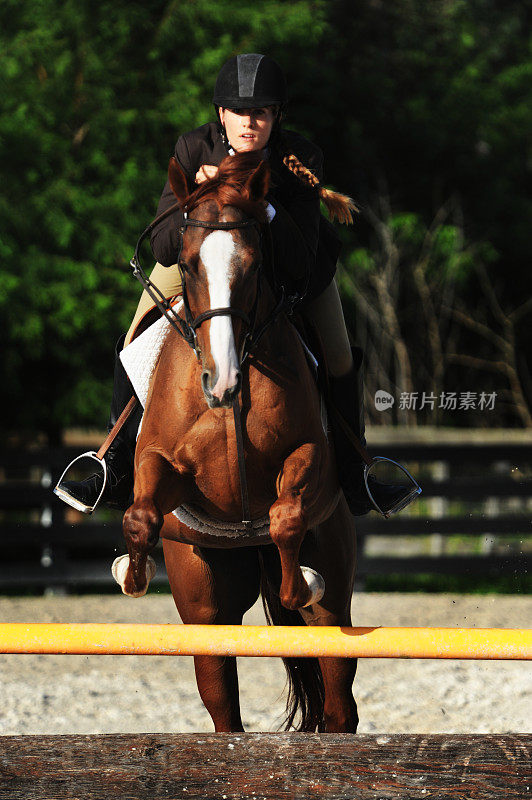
[251, 640]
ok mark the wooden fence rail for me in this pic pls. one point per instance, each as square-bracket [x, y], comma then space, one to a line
[470, 488]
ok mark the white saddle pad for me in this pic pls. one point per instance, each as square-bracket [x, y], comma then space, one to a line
[140, 357]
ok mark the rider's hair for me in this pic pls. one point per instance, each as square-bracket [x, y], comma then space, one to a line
[338, 205]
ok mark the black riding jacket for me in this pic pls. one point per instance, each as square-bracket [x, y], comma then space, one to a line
[303, 239]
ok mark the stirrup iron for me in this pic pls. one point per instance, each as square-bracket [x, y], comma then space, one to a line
[99, 457]
[72, 501]
[410, 493]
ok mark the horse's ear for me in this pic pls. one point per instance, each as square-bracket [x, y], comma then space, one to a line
[258, 182]
[178, 179]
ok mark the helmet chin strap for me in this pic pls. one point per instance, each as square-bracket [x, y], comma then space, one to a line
[227, 143]
[225, 138]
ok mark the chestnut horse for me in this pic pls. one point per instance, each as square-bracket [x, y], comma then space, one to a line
[186, 455]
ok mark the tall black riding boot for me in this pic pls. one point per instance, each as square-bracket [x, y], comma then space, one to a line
[347, 397]
[84, 494]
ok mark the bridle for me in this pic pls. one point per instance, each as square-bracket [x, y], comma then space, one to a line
[194, 323]
[187, 326]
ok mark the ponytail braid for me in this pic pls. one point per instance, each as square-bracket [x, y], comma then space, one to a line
[339, 206]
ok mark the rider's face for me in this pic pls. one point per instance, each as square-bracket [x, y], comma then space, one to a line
[248, 128]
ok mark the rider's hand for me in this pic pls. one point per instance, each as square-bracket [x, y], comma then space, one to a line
[205, 172]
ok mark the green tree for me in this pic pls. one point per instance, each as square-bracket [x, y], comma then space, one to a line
[93, 99]
[437, 108]
[412, 103]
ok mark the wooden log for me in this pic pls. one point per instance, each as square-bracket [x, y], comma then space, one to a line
[273, 766]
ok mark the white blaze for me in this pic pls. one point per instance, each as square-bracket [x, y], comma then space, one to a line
[216, 253]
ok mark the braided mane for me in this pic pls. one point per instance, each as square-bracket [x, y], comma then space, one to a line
[229, 187]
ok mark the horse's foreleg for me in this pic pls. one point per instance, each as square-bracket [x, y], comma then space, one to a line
[287, 529]
[141, 526]
[213, 587]
[156, 491]
[289, 523]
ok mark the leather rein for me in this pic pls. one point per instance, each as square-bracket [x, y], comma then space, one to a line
[188, 326]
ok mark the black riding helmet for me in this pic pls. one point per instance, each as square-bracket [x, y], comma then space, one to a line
[250, 80]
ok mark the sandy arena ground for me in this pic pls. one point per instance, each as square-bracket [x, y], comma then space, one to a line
[111, 694]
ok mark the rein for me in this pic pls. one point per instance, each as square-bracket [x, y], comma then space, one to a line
[187, 327]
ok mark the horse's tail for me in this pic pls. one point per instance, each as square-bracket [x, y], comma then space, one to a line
[306, 693]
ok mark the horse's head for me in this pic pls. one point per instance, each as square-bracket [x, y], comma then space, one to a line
[219, 261]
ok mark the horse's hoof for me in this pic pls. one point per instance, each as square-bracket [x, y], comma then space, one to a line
[315, 583]
[119, 570]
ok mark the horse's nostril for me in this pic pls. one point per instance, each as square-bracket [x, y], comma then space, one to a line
[205, 381]
[230, 394]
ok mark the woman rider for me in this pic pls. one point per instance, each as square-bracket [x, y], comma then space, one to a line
[249, 97]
